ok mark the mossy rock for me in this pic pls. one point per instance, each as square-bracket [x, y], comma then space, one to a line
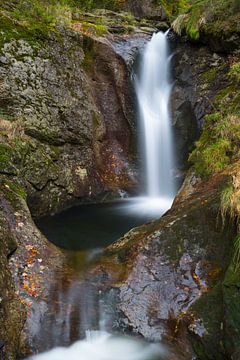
[8, 159]
[231, 288]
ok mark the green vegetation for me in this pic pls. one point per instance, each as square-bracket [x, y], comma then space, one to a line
[15, 188]
[213, 17]
[173, 7]
[219, 143]
[94, 29]
[4, 115]
[227, 207]
[235, 71]
[32, 20]
[230, 206]
[6, 153]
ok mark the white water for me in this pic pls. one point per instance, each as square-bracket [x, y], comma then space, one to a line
[153, 92]
[100, 345]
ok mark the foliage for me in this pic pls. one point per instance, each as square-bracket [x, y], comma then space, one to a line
[219, 142]
[227, 207]
[90, 28]
[230, 206]
[32, 20]
[173, 7]
[235, 71]
[14, 188]
[210, 16]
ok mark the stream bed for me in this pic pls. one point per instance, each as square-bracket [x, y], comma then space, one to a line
[82, 233]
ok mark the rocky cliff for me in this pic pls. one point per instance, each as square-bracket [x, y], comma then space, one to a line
[67, 129]
[187, 293]
[171, 279]
[64, 117]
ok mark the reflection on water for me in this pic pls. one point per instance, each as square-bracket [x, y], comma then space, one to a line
[70, 309]
[96, 226]
[73, 307]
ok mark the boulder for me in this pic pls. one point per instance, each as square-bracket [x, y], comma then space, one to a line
[168, 280]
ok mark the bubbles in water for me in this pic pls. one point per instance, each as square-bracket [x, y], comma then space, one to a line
[100, 345]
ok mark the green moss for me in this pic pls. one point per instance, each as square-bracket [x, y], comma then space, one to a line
[231, 287]
[211, 344]
[45, 136]
[33, 20]
[16, 189]
[89, 53]
[235, 71]
[10, 30]
[219, 143]
[172, 7]
[5, 115]
[223, 93]
[210, 158]
[215, 18]
[210, 74]
[94, 29]
[5, 156]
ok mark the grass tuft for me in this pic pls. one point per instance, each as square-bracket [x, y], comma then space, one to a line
[230, 207]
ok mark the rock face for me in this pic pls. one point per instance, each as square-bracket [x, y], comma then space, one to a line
[67, 128]
[166, 278]
[198, 77]
[67, 123]
[147, 9]
[27, 267]
[66, 133]
[12, 313]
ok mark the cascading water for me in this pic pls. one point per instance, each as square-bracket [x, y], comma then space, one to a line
[104, 346]
[153, 90]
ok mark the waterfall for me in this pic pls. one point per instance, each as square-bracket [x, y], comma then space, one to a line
[104, 346]
[77, 303]
[153, 90]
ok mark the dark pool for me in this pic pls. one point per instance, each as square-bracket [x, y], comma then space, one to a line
[91, 226]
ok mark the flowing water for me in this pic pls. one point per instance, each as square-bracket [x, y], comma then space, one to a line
[74, 311]
[153, 90]
[100, 345]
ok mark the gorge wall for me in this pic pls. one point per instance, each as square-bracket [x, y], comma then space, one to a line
[56, 138]
[67, 129]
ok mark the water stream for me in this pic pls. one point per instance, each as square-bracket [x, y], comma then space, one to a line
[83, 231]
[153, 90]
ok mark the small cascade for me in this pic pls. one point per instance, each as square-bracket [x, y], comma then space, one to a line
[100, 345]
[75, 309]
[153, 90]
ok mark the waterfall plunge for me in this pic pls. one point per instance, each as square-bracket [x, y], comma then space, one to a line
[153, 92]
[103, 346]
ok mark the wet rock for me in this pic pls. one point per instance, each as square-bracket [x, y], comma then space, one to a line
[148, 9]
[167, 276]
[69, 101]
[12, 312]
[26, 274]
[198, 76]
